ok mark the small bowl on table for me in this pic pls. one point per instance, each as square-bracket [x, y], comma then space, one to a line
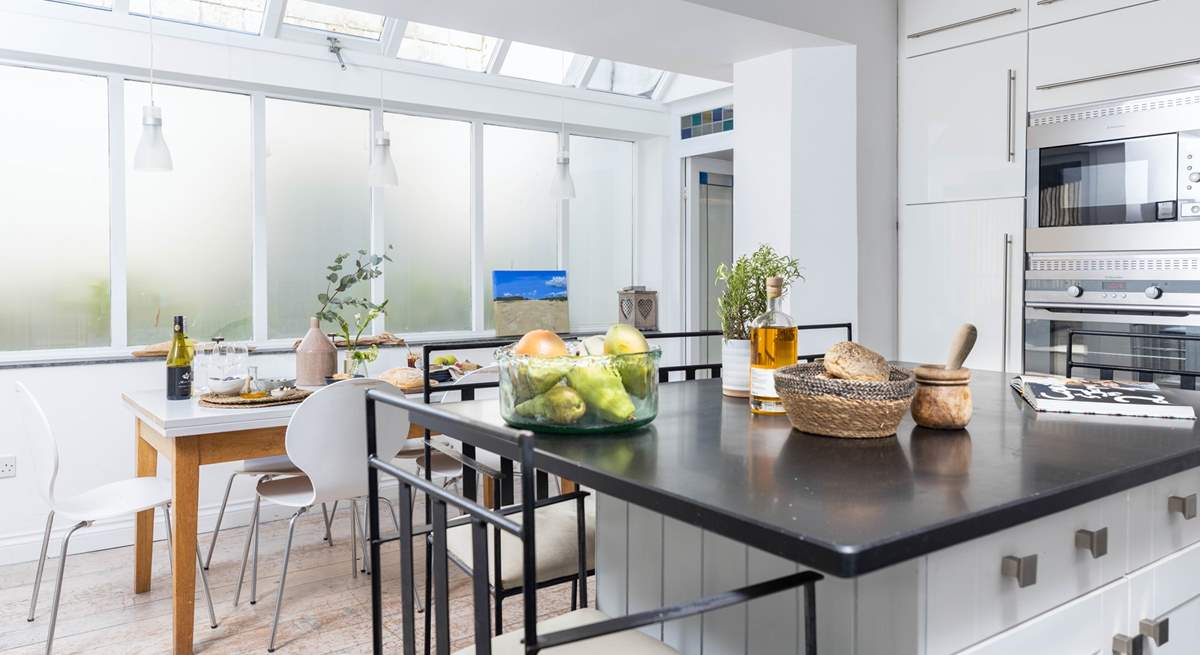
[850, 409]
[226, 386]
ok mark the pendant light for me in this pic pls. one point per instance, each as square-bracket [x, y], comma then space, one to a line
[382, 171]
[563, 187]
[152, 153]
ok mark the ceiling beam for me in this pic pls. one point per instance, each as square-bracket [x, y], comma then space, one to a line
[664, 85]
[272, 18]
[393, 34]
[589, 69]
[493, 67]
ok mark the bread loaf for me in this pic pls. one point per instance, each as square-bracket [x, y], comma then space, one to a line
[406, 379]
[850, 361]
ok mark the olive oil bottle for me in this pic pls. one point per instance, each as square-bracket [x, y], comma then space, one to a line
[179, 364]
[772, 346]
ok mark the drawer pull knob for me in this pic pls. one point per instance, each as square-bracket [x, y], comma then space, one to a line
[1126, 645]
[1093, 541]
[1159, 631]
[1021, 569]
[1185, 505]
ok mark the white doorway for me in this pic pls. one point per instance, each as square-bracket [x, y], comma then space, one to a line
[708, 235]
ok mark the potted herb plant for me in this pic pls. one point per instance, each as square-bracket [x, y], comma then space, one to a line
[316, 355]
[743, 297]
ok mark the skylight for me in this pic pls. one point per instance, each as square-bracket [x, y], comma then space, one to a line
[625, 79]
[447, 47]
[236, 15]
[102, 4]
[533, 62]
[316, 16]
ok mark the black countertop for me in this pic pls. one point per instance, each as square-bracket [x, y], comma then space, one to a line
[848, 507]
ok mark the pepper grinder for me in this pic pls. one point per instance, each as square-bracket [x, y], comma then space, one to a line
[943, 398]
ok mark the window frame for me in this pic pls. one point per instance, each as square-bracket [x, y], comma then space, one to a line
[119, 349]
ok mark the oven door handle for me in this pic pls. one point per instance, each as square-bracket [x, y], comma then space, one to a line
[1045, 311]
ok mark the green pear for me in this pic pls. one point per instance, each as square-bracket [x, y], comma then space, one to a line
[624, 339]
[601, 388]
[536, 377]
[561, 405]
[636, 373]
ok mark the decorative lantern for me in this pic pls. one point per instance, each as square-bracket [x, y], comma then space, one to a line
[638, 307]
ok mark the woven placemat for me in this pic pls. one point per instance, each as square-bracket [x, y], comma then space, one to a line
[237, 402]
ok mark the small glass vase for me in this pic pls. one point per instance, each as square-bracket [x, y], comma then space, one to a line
[354, 367]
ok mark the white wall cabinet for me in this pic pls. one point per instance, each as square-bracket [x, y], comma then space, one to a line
[962, 123]
[1148, 48]
[1047, 12]
[953, 259]
[929, 25]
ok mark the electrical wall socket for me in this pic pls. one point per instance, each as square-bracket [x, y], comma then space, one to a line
[8, 466]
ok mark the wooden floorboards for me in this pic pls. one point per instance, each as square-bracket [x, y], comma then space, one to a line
[325, 609]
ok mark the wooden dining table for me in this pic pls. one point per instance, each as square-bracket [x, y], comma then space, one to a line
[189, 436]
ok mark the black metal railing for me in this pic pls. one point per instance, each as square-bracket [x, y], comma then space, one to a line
[1187, 379]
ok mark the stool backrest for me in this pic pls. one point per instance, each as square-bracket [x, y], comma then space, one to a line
[43, 449]
[324, 438]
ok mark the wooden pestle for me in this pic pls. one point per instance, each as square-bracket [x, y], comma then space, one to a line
[961, 345]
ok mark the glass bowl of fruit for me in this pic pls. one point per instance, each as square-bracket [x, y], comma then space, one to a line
[598, 384]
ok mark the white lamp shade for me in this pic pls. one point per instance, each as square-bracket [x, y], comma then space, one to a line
[152, 152]
[563, 187]
[383, 170]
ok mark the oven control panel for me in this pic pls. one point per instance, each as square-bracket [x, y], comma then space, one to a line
[1189, 175]
[1164, 281]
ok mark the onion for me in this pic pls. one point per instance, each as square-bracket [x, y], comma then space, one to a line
[541, 343]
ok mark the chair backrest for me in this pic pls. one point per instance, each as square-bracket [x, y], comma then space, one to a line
[324, 438]
[489, 375]
[43, 449]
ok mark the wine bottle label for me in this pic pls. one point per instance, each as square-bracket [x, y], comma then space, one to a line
[179, 382]
[762, 382]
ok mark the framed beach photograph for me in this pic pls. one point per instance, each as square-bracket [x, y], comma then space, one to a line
[530, 300]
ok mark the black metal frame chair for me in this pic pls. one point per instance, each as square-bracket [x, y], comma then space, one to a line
[514, 445]
[1187, 379]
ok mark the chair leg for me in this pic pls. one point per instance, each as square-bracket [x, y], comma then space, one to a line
[287, 553]
[428, 595]
[325, 515]
[574, 594]
[246, 550]
[37, 579]
[212, 545]
[499, 615]
[62, 565]
[362, 538]
[254, 566]
[212, 613]
[353, 549]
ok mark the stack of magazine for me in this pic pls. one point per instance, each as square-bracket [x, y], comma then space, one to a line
[1107, 397]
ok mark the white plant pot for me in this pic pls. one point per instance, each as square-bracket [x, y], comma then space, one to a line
[735, 367]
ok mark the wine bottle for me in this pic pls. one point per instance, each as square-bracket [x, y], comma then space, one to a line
[179, 364]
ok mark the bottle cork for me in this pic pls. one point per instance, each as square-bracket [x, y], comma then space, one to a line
[774, 287]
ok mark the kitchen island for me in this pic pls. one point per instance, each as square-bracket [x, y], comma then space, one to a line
[1026, 532]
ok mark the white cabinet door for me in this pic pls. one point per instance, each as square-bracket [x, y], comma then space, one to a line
[1083, 626]
[1046, 12]
[1168, 591]
[929, 25]
[1150, 48]
[962, 123]
[953, 259]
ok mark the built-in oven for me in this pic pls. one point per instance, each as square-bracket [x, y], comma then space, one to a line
[1137, 300]
[1118, 176]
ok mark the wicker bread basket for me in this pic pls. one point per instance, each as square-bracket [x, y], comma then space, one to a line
[850, 409]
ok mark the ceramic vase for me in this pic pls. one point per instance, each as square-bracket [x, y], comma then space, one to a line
[316, 357]
[735, 367]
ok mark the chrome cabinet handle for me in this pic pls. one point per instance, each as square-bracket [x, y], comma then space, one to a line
[1093, 541]
[1185, 505]
[1159, 631]
[1046, 2]
[1021, 569]
[961, 23]
[1011, 112]
[1107, 76]
[1007, 305]
[1126, 645]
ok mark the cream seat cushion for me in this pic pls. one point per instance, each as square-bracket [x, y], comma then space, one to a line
[630, 642]
[557, 540]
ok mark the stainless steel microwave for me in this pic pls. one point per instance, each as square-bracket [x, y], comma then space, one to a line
[1119, 176]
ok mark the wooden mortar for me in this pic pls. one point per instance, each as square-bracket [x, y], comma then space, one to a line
[943, 398]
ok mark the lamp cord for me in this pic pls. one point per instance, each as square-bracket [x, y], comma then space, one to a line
[151, 19]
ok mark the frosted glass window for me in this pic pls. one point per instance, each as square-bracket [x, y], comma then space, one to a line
[520, 219]
[53, 210]
[317, 16]
[189, 230]
[318, 205]
[446, 47]
[533, 62]
[626, 79]
[600, 229]
[237, 15]
[428, 219]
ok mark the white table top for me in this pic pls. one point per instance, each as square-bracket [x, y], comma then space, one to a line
[182, 418]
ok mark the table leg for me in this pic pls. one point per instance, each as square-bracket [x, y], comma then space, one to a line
[143, 544]
[186, 483]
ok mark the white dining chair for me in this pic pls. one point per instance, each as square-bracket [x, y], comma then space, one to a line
[111, 500]
[326, 440]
